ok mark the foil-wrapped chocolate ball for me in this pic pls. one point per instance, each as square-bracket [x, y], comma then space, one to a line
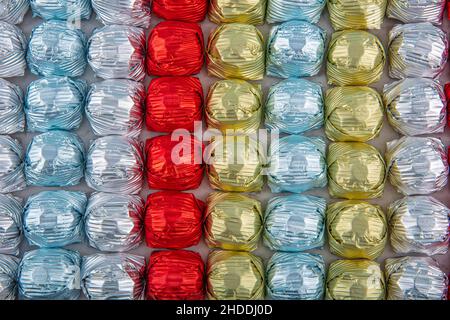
[408, 11]
[417, 50]
[115, 164]
[356, 14]
[12, 177]
[295, 49]
[234, 105]
[12, 116]
[57, 49]
[417, 165]
[297, 164]
[13, 51]
[234, 275]
[285, 10]
[129, 12]
[55, 159]
[355, 171]
[415, 278]
[355, 280]
[13, 11]
[180, 10]
[9, 267]
[232, 221]
[354, 58]
[119, 276]
[114, 222]
[71, 10]
[295, 276]
[353, 114]
[116, 106]
[356, 229]
[55, 103]
[243, 11]
[117, 51]
[295, 223]
[11, 233]
[54, 218]
[419, 224]
[236, 50]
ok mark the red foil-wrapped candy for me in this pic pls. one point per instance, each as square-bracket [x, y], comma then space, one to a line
[173, 220]
[180, 10]
[174, 103]
[447, 96]
[175, 275]
[175, 49]
[174, 165]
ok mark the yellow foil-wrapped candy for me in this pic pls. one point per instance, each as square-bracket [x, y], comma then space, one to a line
[243, 11]
[354, 58]
[234, 105]
[355, 280]
[356, 14]
[233, 275]
[355, 171]
[236, 50]
[356, 229]
[232, 221]
[353, 114]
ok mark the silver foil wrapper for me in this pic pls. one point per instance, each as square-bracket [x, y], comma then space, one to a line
[12, 177]
[55, 103]
[117, 51]
[54, 218]
[50, 274]
[114, 222]
[295, 223]
[113, 277]
[127, 12]
[10, 224]
[417, 50]
[295, 276]
[13, 11]
[419, 224]
[115, 164]
[12, 116]
[116, 106]
[9, 266]
[417, 165]
[57, 49]
[415, 106]
[294, 106]
[71, 10]
[285, 10]
[13, 48]
[408, 11]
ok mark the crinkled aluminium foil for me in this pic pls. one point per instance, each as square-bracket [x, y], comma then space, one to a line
[12, 176]
[13, 11]
[12, 116]
[71, 10]
[408, 11]
[285, 10]
[11, 232]
[356, 14]
[13, 50]
[9, 267]
[125, 12]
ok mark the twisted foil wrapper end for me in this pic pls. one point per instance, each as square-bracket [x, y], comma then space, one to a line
[14, 48]
[12, 176]
[356, 14]
[285, 10]
[124, 12]
[408, 11]
[12, 116]
[180, 10]
[244, 11]
[72, 10]
[11, 230]
[9, 267]
[13, 11]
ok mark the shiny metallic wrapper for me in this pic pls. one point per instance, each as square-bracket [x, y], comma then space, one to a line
[417, 50]
[353, 114]
[295, 49]
[232, 221]
[116, 106]
[113, 276]
[234, 105]
[117, 51]
[115, 164]
[13, 50]
[297, 164]
[417, 165]
[356, 14]
[10, 224]
[415, 278]
[356, 229]
[57, 49]
[233, 275]
[9, 267]
[55, 159]
[71, 10]
[114, 222]
[419, 224]
[55, 103]
[236, 50]
[242, 11]
[295, 223]
[12, 176]
[285, 10]
[129, 12]
[408, 11]
[13, 11]
[354, 58]
[50, 274]
[54, 218]
[416, 106]
[295, 276]
[12, 116]
[355, 171]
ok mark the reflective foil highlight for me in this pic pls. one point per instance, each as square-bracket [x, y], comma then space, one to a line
[10, 224]
[12, 116]
[8, 277]
[70, 10]
[12, 54]
[243, 11]
[13, 11]
[129, 12]
[356, 14]
[408, 11]
[285, 10]
[180, 10]
[12, 177]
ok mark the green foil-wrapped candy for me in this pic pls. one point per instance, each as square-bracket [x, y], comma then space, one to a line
[243, 11]
[356, 14]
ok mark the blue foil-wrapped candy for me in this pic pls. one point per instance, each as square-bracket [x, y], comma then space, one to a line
[295, 276]
[297, 164]
[54, 103]
[127, 12]
[117, 51]
[408, 11]
[285, 10]
[54, 159]
[295, 223]
[50, 274]
[12, 116]
[9, 266]
[54, 218]
[295, 49]
[13, 11]
[12, 51]
[294, 106]
[71, 10]
[113, 276]
[116, 106]
[12, 177]
[10, 224]
[114, 222]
